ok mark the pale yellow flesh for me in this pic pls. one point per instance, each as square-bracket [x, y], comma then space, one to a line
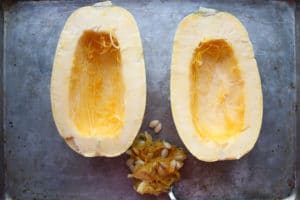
[217, 92]
[96, 94]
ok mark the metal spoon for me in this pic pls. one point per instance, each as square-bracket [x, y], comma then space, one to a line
[171, 194]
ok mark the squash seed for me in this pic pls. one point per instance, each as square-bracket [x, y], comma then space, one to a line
[161, 171]
[164, 153]
[153, 123]
[158, 128]
[179, 157]
[139, 162]
[167, 145]
[173, 164]
[178, 164]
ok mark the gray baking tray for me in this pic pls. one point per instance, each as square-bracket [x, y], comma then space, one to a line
[37, 164]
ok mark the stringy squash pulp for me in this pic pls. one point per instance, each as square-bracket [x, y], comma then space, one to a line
[215, 78]
[154, 164]
[216, 92]
[98, 86]
[96, 93]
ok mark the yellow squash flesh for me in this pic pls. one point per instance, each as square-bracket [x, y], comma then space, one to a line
[216, 95]
[98, 86]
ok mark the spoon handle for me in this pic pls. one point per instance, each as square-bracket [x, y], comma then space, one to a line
[171, 194]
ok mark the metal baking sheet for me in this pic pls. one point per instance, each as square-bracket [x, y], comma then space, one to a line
[297, 15]
[38, 165]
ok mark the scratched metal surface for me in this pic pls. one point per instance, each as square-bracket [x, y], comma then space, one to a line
[38, 164]
[298, 97]
[1, 107]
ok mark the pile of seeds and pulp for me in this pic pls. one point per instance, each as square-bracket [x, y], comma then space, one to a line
[154, 164]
